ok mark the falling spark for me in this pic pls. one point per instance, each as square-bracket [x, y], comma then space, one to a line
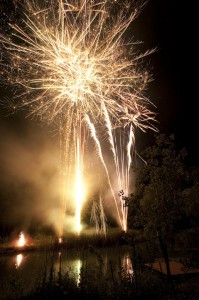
[99, 151]
[69, 61]
[98, 217]
[130, 144]
[79, 195]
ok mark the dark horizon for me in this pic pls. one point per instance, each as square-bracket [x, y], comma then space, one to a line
[171, 28]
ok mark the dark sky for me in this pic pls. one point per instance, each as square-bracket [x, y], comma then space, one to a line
[169, 27]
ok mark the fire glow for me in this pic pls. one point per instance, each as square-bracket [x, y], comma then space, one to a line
[21, 241]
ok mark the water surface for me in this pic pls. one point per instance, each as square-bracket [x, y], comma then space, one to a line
[21, 272]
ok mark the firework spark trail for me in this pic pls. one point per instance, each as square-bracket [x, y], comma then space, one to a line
[79, 195]
[102, 216]
[112, 143]
[98, 146]
[131, 142]
[69, 60]
[115, 156]
[123, 176]
[98, 216]
[123, 179]
[66, 169]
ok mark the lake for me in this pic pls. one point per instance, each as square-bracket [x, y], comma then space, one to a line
[21, 272]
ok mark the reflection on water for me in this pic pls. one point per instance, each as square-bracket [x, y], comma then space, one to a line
[19, 259]
[78, 264]
[74, 267]
[74, 263]
[127, 267]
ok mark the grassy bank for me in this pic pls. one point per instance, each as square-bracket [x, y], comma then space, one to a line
[42, 241]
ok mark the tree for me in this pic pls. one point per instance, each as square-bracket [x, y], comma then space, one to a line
[160, 183]
[191, 198]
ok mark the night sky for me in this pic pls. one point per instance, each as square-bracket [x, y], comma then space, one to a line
[162, 25]
[171, 27]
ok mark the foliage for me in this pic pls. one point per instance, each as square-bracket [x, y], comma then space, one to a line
[191, 197]
[158, 202]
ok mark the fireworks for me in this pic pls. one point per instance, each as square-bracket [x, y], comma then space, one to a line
[98, 216]
[71, 66]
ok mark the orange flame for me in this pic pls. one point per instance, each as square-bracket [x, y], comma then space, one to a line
[21, 241]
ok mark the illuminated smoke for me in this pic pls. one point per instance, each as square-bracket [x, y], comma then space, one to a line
[69, 62]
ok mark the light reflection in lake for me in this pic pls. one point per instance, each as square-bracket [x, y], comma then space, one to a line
[78, 264]
[19, 259]
[13, 268]
[127, 266]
